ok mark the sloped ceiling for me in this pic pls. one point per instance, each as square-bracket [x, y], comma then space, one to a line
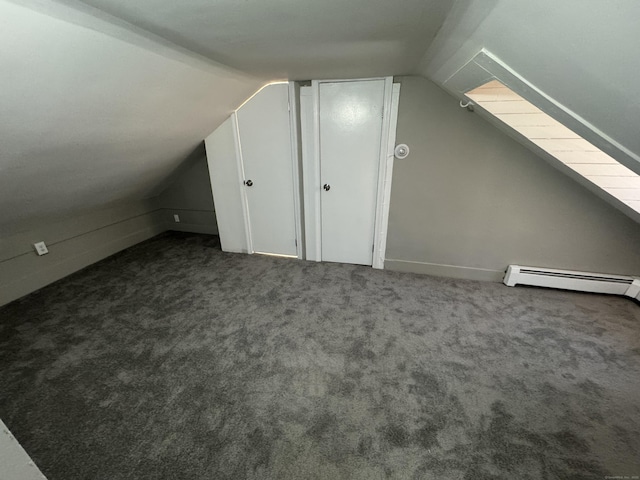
[100, 100]
[88, 119]
[294, 39]
[582, 54]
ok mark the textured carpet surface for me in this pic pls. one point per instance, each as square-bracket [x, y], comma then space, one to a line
[174, 360]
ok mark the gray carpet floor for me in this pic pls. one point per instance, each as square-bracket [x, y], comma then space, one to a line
[174, 360]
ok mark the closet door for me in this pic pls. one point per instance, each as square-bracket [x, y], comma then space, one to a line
[350, 135]
[222, 159]
[267, 164]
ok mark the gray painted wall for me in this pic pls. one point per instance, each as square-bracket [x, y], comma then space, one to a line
[77, 241]
[469, 201]
[189, 196]
[74, 243]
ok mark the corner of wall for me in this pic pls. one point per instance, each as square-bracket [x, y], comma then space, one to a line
[74, 243]
[186, 204]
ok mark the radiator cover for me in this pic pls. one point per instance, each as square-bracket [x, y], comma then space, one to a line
[572, 280]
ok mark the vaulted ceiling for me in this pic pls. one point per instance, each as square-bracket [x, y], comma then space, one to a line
[101, 100]
[294, 39]
[584, 55]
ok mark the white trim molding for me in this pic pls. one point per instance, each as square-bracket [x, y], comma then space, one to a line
[441, 270]
[295, 159]
[243, 193]
[387, 155]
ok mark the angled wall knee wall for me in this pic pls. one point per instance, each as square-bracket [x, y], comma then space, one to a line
[73, 244]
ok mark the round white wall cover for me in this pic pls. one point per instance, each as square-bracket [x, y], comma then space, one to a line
[401, 151]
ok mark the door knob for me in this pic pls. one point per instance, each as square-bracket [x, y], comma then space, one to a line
[248, 183]
[326, 187]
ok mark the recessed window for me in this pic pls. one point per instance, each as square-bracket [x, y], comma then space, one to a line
[557, 140]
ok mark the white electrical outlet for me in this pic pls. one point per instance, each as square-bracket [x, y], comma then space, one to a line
[176, 217]
[41, 248]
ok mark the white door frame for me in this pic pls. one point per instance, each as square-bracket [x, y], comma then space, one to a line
[243, 192]
[309, 178]
[385, 168]
[295, 155]
[294, 114]
[387, 156]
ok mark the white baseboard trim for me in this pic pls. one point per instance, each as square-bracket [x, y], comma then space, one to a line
[439, 270]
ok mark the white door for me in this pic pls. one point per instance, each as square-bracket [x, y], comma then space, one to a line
[222, 159]
[265, 147]
[350, 135]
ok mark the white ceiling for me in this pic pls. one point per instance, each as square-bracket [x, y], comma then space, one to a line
[294, 39]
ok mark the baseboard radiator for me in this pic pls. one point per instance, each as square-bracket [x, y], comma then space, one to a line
[569, 280]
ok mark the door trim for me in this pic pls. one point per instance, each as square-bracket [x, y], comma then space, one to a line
[315, 93]
[309, 180]
[295, 159]
[387, 156]
[243, 193]
[385, 166]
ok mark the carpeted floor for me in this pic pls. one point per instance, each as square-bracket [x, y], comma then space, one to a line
[174, 360]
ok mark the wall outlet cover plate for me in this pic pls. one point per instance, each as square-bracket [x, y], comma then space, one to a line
[41, 248]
